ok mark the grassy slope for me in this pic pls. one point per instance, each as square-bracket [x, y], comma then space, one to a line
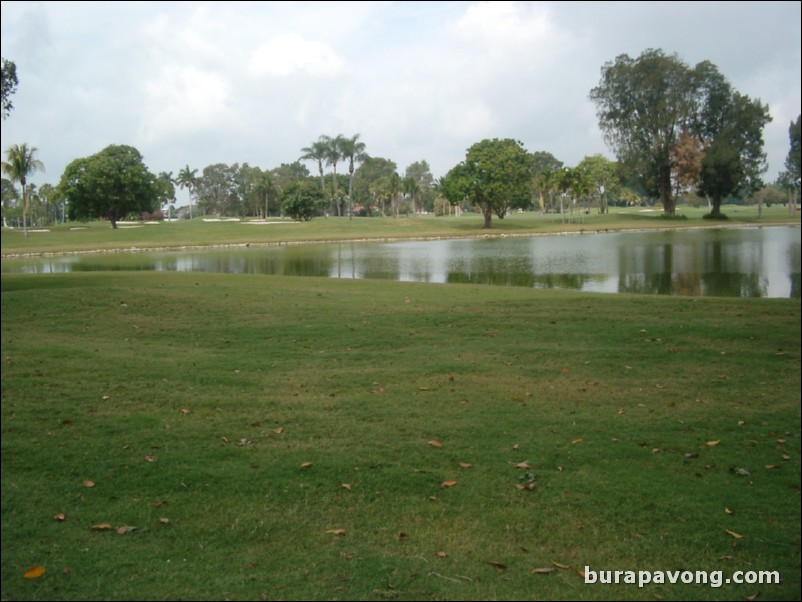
[197, 398]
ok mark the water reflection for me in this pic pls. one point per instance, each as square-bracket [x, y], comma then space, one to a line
[742, 262]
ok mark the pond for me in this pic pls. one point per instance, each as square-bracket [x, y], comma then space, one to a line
[725, 262]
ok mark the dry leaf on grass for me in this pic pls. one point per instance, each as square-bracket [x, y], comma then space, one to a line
[34, 572]
[60, 517]
[101, 527]
[89, 483]
[523, 465]
[713, 443]
[440, 554]
[434, 443]
[465, 465]
[346, 486]
[336, 531]
[543, 570]
[306, 465]
[446, 484]
[734, 534]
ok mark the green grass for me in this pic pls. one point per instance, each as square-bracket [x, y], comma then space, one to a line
[100, 236]
[231, 383]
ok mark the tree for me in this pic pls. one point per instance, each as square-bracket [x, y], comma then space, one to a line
[419, 182]
[186, 179]
[686, 162]
[353, 150]
[317, 152]
[496, 177]
[790, 178]
[642, 105]
[111, 184]
[302, 200]
[9, 85]
[166, 187]
[333, 156]
[21, 162]
[730, 127]
[602, 177]
[215, 189]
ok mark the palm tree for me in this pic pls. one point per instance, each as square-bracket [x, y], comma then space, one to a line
[353, 150]
[333, 156]
[21, 163]
[318, 152]
[186, 179]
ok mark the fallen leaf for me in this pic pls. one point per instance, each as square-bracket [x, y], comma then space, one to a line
[163, 520]
[519, 487]
[440, 554]
[347, 555]
[34, 572]
[752, 598]
[516, 446]
[401, 535]
[336, 531]
[89, 483]
[378, 391]
[149, 458]
[713, 443]
[620, 410]
[306, 465]
[279, 430]
[346, 486]
[734, 534]
[60, 517]
[434, 443]
[560, 469]
[741, 423]
[224, 439]
[101, 527]
[465, 465]
[770, 466]
[445, 484]
[727, 557]
[523, 465]
[184, 411]
[741, 472]
[543, 570]
[559, 565]
[125, 529]
[728, 511]
[498, 565]
[157, 503]
[786, 457]
[575, 441]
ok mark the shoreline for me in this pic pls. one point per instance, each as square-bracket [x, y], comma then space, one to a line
[480, 234]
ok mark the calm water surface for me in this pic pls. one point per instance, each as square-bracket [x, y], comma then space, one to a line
[730, 262]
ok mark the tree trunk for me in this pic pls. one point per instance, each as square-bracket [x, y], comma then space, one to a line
[666, 198]
[24, 211]
[488, 213]
[715, 210]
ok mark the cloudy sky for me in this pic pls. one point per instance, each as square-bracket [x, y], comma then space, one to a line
[197, 83]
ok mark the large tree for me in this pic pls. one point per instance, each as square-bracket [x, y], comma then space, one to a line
[642, 105]
[21, 162]
[9, 84]
[645, 107]
[730, 127]
[496, 177]
[110, 184]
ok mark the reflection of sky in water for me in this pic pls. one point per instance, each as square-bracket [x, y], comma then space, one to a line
[718, 262]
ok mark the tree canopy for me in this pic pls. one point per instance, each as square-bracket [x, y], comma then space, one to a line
[645, 105]
[110, 184]
[495, 176]
[9, 85]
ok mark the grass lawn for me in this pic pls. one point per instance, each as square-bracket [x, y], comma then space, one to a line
[92, 236]
[258, 437]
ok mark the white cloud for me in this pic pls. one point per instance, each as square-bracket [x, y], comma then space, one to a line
[290, 53]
